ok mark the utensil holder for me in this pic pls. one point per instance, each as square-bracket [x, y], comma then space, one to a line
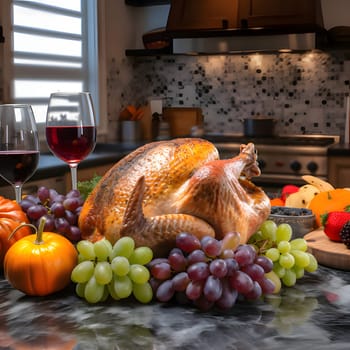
[130, 131]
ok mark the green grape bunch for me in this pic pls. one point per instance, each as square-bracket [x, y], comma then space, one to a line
[290, 257]
[118, 271]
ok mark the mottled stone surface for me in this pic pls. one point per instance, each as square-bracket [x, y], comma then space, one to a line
[313, 315]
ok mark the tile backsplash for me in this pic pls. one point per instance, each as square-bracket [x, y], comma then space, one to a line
[305, 92]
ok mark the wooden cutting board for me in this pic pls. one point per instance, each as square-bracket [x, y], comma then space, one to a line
[327, 252]
[182, 119]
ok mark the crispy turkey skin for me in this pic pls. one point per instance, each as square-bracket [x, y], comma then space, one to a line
[167, 187]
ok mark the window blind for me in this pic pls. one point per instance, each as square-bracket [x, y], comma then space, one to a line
[54, 49]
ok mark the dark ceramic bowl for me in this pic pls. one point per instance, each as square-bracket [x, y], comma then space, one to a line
[301, 220]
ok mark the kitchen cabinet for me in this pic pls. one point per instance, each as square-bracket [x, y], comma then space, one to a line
[88, 173]
[339, 171]
[218, 14]
[271, 13]
[62, 184]
[292, 16]
[284, 16]
[31, 187]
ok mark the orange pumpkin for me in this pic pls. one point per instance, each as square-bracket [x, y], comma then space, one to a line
[11, 216]
[40, 264]
[325, 202]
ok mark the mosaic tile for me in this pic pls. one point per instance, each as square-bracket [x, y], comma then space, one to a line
[305, 92]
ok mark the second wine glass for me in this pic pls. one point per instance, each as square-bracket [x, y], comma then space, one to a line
[19, 145]
[71, 128]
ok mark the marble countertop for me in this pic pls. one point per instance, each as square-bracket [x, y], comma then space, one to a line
[314, 314]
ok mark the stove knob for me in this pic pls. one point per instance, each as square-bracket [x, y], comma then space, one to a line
[295, 166]
[312, 167]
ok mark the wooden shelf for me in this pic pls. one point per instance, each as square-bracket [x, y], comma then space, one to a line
[146, 2]
[145, 52]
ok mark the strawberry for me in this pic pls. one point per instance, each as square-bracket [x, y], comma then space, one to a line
[333, 222]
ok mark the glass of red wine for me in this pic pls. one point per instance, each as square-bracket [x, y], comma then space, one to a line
[19, 145]
[71, 128]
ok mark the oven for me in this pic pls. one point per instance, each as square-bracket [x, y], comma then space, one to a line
[282, 159]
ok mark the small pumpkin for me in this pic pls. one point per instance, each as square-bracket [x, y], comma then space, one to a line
[327, 201]
[11, 216]
[40, 264]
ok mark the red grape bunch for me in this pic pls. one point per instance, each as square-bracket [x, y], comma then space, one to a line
[61, 212]
[210, 272]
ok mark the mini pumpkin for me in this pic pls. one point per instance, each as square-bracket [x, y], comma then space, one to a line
[40, 264]
[11, 216]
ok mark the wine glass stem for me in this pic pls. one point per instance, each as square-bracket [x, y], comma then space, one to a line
[18, 192]
[73, 171]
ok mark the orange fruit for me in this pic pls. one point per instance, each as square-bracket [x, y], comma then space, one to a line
[328, 201]
[277, 202]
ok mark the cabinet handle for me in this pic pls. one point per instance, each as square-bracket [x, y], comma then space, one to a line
[224, 24]
[244, 23]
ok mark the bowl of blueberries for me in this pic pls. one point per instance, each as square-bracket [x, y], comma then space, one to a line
[302, 220]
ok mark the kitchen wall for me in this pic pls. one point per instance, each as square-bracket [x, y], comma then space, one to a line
[305, 92]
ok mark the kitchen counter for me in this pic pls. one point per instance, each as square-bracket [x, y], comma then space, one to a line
[49, 165]
[314, 314]
[339, 149]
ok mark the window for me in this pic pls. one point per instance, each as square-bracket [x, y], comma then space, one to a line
[54, 49]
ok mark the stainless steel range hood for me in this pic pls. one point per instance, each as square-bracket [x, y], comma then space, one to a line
[228, 26]
[237, 44]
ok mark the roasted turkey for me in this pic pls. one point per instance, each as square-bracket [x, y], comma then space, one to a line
[167, 187]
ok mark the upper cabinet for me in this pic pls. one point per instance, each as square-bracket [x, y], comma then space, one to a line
[292, 15]
[197, 22]
[272, 13]
[189, 15]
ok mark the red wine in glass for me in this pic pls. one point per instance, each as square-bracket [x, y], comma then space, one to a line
[19, 145]
[71, 143]
[71, 128]
[18, 166]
